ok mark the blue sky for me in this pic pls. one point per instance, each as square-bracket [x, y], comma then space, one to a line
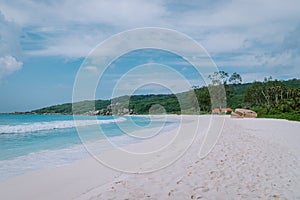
[43, 43]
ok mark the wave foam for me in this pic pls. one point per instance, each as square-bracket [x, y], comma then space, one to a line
[43, 126]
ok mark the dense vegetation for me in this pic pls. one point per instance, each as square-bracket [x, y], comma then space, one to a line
[274, 99]
[82, 107]
[270, 98]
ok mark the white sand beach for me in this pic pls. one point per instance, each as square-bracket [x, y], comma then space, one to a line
[252, 159]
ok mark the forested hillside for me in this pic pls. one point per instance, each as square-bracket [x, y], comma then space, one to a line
[270, 98]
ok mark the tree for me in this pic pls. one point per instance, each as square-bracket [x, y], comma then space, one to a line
[273, 95]
[253, 95]
[235, 79]
[203, 98]
[218, 78]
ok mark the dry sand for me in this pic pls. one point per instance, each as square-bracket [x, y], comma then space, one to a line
[253, 159]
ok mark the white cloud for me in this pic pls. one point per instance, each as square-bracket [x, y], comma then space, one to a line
[9, 37]
[8, 65]
[239, 27]
[253, 28]
[280, 60]
[63, 12]
[220, 25]
[9, 47]
[73, 29]
[72, 45]
[92, 69]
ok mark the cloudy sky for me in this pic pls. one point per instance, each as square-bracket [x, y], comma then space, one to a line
[44, 42]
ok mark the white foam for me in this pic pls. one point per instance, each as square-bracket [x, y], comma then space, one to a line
[42, 126]
[41, 160]
[59, 157]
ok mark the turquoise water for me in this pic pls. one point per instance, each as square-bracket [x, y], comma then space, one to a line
[31, 142]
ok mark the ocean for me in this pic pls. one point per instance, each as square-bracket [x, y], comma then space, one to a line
[33, 142]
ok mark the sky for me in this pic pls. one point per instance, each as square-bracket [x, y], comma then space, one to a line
[43, 43]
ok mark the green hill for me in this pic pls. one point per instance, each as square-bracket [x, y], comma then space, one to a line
[268, 98]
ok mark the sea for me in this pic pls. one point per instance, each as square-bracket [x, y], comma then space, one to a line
[33, 142]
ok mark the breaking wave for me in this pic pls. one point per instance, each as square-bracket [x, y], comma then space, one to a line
[43, 126]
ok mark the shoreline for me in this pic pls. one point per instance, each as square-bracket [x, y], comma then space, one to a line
[69, 114]
[249, 155]
[66, 155]
[81, 169]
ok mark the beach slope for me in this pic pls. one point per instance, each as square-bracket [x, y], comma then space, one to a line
[252, 159]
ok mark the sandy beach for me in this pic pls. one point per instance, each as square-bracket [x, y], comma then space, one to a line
[252, 159]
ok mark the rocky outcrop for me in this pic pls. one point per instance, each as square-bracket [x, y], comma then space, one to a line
[112, 109]
[243, 113]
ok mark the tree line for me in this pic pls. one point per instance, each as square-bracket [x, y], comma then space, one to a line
[270, 98]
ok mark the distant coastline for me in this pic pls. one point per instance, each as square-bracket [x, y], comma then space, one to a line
[269, 99]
